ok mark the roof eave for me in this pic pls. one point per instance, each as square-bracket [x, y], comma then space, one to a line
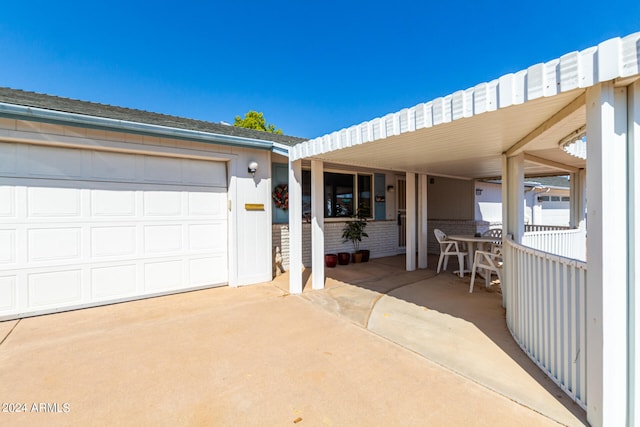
[21, 112]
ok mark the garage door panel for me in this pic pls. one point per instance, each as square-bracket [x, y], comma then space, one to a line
[54, 288]
[160, 239]
[8, 159]
[7, 246]
[53, 202]
[113, 166]
[113, 282]
[211, 237]
[113, 241]
[7, 293]
[164, 275]
[162, 169]
[200, 172]
[67, 164]
[213, 203]
[47, 244]
[162, 203]
[7, 202]
[113, 203]
[207, 271]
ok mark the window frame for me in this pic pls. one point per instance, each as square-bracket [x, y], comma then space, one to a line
[356, 192]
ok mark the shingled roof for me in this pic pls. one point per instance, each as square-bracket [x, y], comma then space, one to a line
[67, 105]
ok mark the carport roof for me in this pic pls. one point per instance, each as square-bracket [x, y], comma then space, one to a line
[465, 134]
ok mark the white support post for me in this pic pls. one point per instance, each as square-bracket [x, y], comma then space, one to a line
[607, 281]
[577, 202]
[508, 264]
[411, 221]
[513, 197]
[422, 221]
[295, 227]
[634, 252]
[317, 224]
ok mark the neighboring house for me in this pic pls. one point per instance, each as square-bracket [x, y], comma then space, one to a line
[102, 204]
[547, 201]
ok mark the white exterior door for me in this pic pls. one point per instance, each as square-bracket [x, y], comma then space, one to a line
[80, 228]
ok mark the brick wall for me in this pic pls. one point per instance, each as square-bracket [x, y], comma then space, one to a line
[280, 242]
[382, 240]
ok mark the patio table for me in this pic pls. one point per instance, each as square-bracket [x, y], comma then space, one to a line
[472, 242]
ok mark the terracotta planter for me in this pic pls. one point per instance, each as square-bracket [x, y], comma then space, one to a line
[365, 254]
[331, 260]
[343, 258]
[356, 257]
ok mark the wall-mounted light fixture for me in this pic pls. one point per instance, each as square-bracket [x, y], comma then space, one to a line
[478, 191]
[253, 167]
[390, 188]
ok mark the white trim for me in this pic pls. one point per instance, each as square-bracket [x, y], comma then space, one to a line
[317, 224]
[295, 227]
[422, 221]
[411, 221]
[634, 253]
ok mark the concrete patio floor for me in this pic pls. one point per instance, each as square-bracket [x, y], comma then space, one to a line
[435, 316]
[259, 356]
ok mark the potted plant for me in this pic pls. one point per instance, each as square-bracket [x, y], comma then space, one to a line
[353, 232]
[331, 260]
[343, 258]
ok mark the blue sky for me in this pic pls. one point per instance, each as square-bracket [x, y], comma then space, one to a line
[311, 67]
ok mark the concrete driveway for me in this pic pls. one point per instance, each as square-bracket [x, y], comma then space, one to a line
[251, 356]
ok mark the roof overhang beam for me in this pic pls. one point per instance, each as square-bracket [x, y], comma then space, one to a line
[565, 112]
[550, 163]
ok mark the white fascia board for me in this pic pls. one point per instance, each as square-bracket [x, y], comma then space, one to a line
[281, 149]
[21, 112]
[612, 59]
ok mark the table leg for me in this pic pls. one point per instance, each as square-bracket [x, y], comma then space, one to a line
[471, 253]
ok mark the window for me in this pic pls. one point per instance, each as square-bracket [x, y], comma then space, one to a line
[543, 198]
[566, 199]
[344, 193]
[555, 198]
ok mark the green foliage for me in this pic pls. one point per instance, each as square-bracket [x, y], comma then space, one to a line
[255, 120]
[353, 230]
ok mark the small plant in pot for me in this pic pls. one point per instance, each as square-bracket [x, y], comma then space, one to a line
[353, 232]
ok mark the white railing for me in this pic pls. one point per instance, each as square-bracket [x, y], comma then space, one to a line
[545, 298]
[539, 227]
[569, 243]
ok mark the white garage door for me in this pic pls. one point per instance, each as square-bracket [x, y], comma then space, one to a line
[81, 228]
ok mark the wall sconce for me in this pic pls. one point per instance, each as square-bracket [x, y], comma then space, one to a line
[253, 167]
[390, 188]
[478, 191]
